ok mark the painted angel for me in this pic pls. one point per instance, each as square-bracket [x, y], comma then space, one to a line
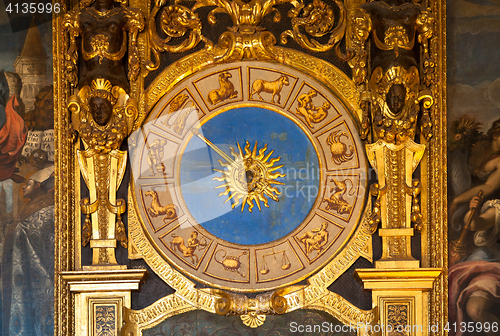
[474, 278]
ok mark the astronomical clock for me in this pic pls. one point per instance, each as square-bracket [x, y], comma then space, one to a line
[249, 176]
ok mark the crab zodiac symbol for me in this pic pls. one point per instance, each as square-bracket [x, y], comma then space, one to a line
[338, 148]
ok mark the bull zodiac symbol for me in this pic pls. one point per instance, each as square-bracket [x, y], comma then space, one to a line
[336, 202]
[338, 148]
[230, 263]
[157, 209]
[275, 87]
[192, 244]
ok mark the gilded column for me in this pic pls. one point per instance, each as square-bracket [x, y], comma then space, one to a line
[103, 112]
[390, 40]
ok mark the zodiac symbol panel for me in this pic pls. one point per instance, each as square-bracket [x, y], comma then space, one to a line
[248, 176]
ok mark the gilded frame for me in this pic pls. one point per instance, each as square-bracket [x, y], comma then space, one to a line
[434, 241]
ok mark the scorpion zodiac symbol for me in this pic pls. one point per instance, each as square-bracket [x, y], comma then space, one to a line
[338, 148]
[230, 263]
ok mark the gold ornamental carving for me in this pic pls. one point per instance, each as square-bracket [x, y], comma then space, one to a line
[246, 38]
[390, 133]
[103, 116]
[315, 295]
[107, 32]
[394, 97]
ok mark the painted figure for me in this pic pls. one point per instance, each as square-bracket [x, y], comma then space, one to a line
[486, 175]
[41, 117]
[474, 163]
[315, 240]
[12, 129]
[311, 113]
[475, 282]
[28, 262]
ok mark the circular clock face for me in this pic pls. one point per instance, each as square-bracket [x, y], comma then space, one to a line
[249, 176]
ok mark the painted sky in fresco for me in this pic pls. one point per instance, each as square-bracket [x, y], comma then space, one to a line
[473, 63]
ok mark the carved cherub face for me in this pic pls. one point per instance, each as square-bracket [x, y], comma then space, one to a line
[396, 98]
[101, 110]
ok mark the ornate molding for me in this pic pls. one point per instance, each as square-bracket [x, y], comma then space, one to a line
[231, 48]
[246, 39]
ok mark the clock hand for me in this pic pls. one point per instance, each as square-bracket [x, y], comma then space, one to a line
[196, 131]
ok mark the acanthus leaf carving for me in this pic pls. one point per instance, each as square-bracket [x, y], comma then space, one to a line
[318, 20]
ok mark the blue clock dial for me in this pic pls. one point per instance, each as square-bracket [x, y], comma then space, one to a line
[245, 169]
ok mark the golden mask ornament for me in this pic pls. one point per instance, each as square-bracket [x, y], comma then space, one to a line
[103, 116]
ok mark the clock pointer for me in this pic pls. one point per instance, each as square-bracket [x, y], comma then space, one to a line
[196, 131]
[249, 177]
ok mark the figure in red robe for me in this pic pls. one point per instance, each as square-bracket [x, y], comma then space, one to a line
[12, 130]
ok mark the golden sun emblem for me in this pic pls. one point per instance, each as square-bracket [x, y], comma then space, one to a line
[249, 177]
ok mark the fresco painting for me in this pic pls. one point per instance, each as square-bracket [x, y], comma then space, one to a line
[26, 178]
[474, 163]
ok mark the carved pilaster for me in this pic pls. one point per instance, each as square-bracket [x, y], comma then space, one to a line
[402, 297]
[393, 100]
[100, 298]
[103, 116]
